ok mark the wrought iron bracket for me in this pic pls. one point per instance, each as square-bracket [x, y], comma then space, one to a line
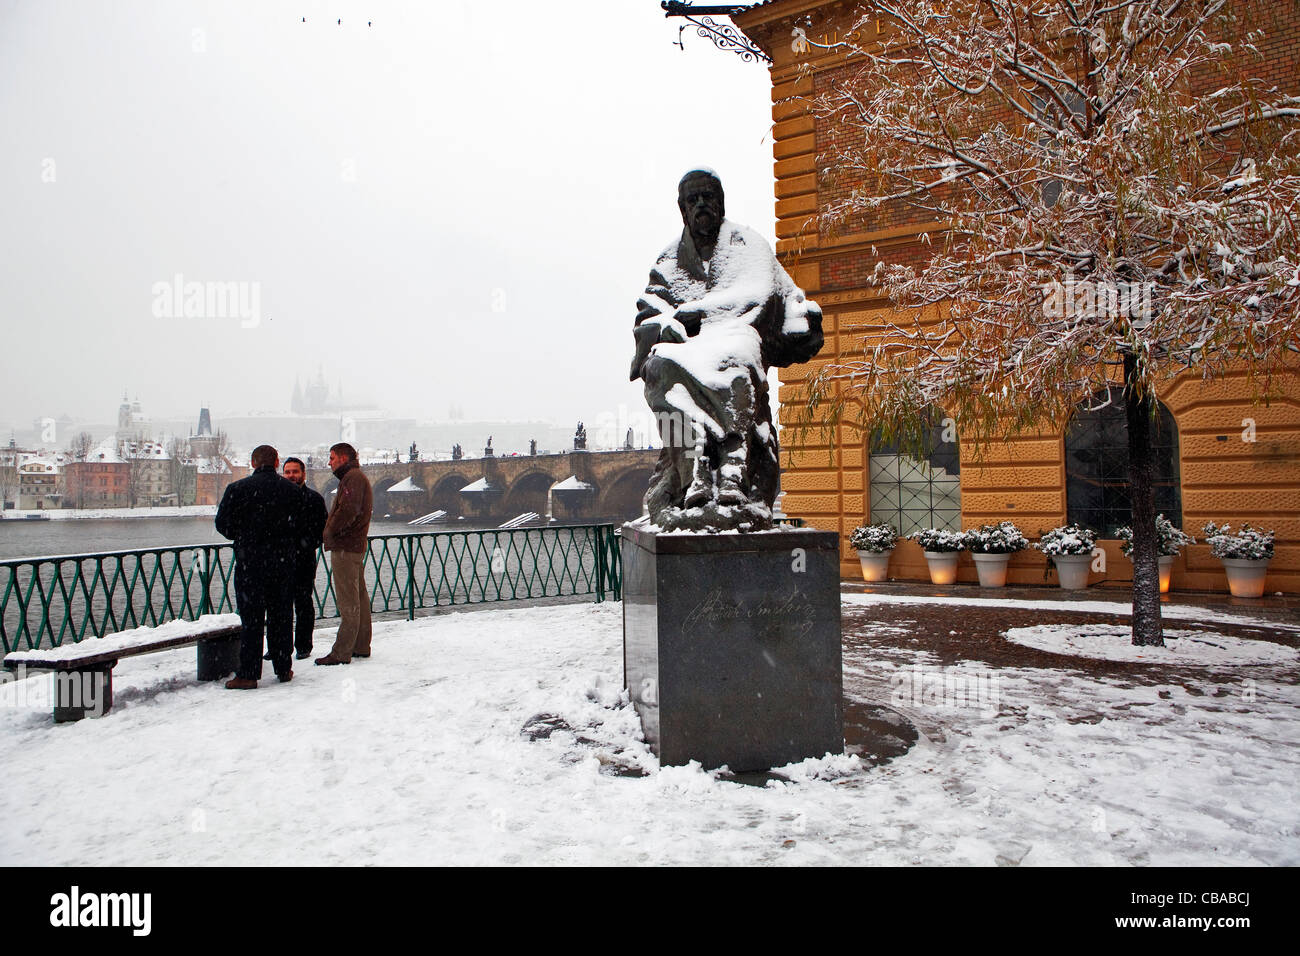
[724, 36]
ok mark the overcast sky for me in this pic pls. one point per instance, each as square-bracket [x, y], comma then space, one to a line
[459, 203]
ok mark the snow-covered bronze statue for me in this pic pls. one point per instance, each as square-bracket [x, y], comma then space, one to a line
[719, 311]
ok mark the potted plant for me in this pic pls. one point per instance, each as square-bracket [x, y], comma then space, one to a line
[991, 546]
[1069, 549]
[1169, 541]
[1245, 555]
[874, 544]
[941, 549]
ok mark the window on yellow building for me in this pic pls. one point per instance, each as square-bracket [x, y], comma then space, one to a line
[921, 488]
[1096, 466]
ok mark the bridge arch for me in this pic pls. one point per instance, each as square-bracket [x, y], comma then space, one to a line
[623, 497]
[527, 493]
[445, 495]
[399, 504]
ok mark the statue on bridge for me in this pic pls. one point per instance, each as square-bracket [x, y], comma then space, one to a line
[413, 454]
[718, 312]
[580, 438]
[457, 453]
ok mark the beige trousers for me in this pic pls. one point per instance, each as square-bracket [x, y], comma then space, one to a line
[348, 572]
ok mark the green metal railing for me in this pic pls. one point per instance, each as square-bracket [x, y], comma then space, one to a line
[46, 601]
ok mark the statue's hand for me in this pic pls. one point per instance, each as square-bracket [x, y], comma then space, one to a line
[689, 319]
[670, 330]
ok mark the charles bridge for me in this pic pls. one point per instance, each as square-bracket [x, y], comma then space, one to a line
[574, 485]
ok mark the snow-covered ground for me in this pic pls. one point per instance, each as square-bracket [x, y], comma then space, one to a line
[417, 756]
[1114, 642]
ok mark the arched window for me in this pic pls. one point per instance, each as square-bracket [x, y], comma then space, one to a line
[913, 492]
[1096, 465]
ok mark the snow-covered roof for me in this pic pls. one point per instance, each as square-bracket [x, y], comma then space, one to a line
[480, 485]
[572, 483]
[212, 466]
[56, 458]
[148, 449]
[34, 464]
[106, 453]
[406, 484]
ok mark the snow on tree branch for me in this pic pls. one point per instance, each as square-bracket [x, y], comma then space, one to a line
[1110, 179]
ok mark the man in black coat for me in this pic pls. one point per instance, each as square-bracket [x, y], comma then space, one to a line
[262, 514]
[309, 534]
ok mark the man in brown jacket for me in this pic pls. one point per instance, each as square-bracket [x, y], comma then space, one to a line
[345, 539]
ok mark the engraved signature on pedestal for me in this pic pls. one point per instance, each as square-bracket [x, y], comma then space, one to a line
[793, 613]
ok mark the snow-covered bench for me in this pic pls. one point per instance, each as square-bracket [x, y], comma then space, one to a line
[83, 672]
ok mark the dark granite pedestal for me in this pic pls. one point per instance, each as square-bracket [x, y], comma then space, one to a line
[731, 645]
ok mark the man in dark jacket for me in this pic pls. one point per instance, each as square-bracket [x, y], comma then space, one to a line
[309, 538]
[346, 531]
[262, 514]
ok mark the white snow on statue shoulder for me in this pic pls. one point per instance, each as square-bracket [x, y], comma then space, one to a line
[1110, 642]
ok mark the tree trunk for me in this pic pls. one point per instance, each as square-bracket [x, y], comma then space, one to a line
[1141, 415]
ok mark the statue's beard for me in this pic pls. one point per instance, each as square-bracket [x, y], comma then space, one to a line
[704, 230]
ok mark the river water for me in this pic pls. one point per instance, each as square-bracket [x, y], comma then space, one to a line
[35, 539]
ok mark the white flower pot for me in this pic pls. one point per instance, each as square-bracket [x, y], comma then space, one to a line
[1072, 570]
[875, 564]
[992, 569]
[1246, 576]
[1166, 563]
[943, 566]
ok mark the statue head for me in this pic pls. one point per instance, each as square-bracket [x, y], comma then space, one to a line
[700, 199]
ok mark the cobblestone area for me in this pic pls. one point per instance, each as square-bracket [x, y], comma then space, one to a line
[886, 644]
[966, 631]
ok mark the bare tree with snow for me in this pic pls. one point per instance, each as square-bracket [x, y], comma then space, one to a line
[8, 481]
[81, 445]
[79, 450]
[1116, 201]
[181, 473]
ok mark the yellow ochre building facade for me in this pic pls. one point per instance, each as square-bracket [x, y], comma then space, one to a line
[1224, 459]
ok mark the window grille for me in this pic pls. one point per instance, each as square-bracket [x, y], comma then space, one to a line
[912, 492]
[1096, 466]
